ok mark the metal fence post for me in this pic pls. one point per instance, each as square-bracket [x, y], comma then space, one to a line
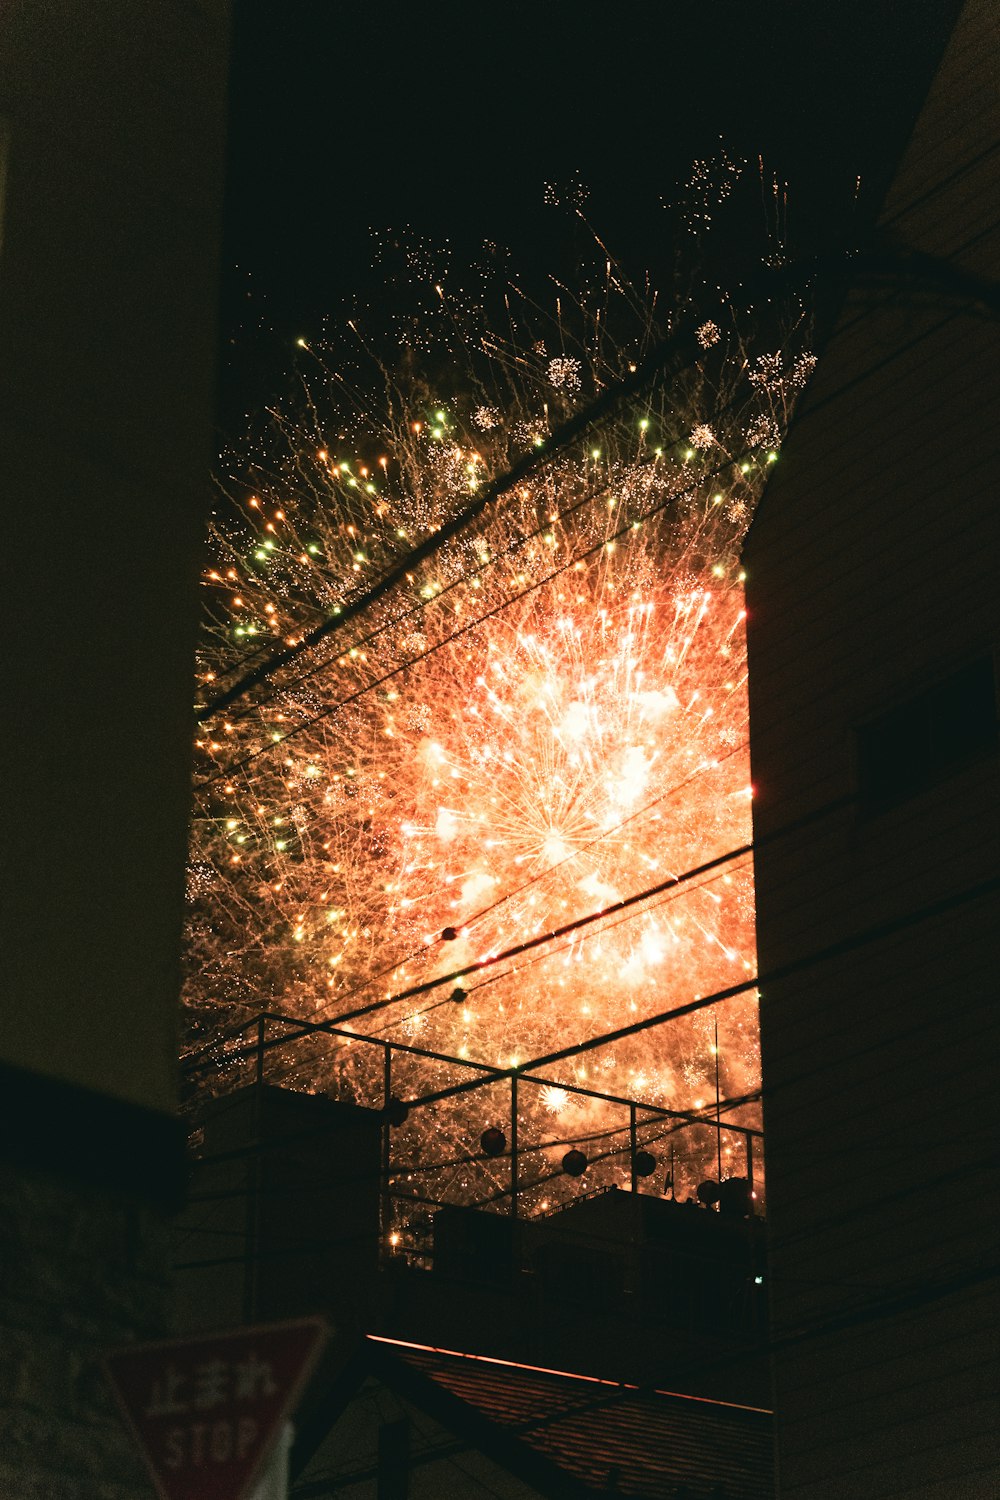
[261, 1024]
[386, 1148]
[513, 1146]
[633, 1146]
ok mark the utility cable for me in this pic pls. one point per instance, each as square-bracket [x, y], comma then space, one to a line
[784, 831]
[625, 530]
[524, 539]
[780, 972]
[653, 366]
[579, 923]
[875, 266]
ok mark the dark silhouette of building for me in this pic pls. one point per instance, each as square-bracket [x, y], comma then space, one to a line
[872, 588]
[111, 166]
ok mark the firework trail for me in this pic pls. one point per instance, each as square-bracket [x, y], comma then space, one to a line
[551, 716]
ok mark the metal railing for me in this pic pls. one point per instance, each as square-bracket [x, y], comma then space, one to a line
[527, 1173]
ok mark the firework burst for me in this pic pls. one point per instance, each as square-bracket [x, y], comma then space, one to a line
[548, 718]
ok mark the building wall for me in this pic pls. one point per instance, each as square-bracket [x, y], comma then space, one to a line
[108, 329]
[872, 568]
[112, 140]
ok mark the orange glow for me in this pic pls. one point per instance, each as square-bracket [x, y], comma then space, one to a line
[547, 716]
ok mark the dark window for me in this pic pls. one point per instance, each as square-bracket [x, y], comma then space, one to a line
[927, 737]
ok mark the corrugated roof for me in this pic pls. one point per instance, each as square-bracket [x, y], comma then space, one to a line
[609, 1438]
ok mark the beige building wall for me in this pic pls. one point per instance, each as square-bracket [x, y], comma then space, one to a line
[872, 580]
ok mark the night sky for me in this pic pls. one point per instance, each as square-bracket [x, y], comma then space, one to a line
[449, 119]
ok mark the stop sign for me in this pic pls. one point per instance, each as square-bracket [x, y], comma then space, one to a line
[207, 1411]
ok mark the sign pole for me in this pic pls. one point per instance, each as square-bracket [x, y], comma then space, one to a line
[273, 1482]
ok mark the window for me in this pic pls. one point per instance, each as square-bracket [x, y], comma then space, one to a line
[926, 738]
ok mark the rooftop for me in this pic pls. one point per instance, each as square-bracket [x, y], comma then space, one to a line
[606, 1436]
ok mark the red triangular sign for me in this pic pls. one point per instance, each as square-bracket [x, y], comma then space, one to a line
[206, 1411]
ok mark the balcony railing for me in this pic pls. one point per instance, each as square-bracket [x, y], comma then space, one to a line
[454, 1131]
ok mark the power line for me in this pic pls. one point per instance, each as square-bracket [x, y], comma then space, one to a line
[515, 545]
[772, 976]
[542, 875]
[843, 946]
[626, 530]
[420, 605]
[493, 978]
[673, 882]
[653, 366]
[579, 923]
[876, 265]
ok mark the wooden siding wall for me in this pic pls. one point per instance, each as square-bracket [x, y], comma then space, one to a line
[873, 569]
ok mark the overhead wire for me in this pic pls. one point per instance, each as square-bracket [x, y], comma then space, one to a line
[653, 366]
[784, 831]
[419, 606]
[878, 265]
[900, 923]
[780, 972]
[667, 897]
[469, 922]
[649, 369]
[600, 915]
[759, 981]
[626, 529]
